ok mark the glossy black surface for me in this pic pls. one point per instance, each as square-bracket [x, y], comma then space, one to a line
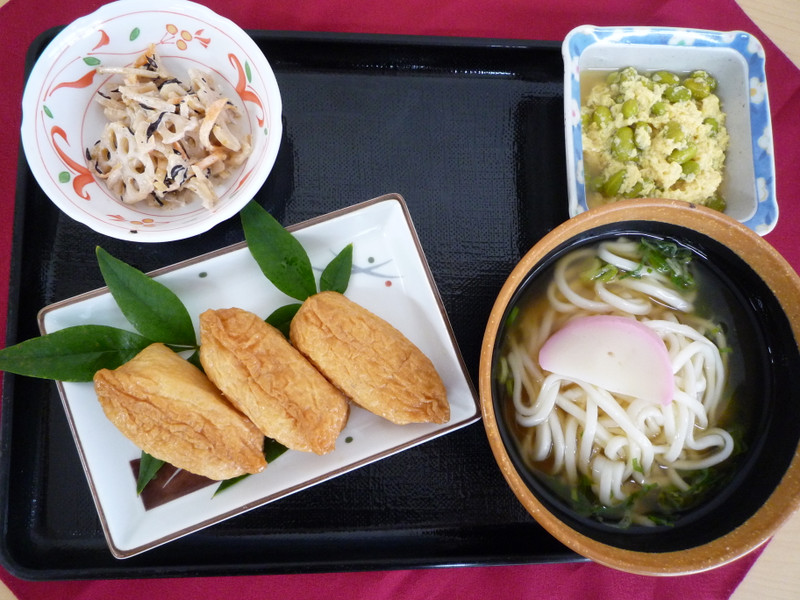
[470, 132]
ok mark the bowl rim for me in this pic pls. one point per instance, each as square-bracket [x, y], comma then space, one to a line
[784, 283]
[88, 24]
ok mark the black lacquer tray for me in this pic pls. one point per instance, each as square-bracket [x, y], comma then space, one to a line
[471, 133]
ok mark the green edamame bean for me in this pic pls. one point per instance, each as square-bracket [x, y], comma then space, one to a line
[630, 108]
[622, 146]
[700, 84]
[677, 93]
[717, 202]
[625, 133]
[689, 168]
[658, 109]
[602, 116]
[628, 74]
[713, 124]
[707, 77]
[674, 131]
[683, 155]
[640, 189]
[698, 88]
[635, 191]
[613, 184]
[665, 77]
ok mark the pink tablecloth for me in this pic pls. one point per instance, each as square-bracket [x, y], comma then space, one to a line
[22, 20]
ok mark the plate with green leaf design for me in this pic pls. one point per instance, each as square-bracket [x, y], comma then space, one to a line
[389, 276]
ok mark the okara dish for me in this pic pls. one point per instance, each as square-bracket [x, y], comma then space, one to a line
[736, 61]
[653, 135]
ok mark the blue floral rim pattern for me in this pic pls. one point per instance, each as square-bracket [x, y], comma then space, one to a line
[580, 38]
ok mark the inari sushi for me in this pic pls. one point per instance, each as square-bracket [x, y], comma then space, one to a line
[373, 363]
[260, 372]
[168, 408]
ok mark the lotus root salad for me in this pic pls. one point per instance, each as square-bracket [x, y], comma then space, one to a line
[166, 142]
[653, 135]
[615, 374]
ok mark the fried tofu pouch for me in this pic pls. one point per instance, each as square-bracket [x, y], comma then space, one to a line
[272, 383]
[169, 408]
[373, 363]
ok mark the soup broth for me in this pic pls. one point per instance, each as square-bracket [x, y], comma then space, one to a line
[652, 485]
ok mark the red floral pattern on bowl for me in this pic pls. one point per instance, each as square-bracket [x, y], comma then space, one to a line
[61, 118]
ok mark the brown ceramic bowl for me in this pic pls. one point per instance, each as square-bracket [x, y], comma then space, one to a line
[764, 489]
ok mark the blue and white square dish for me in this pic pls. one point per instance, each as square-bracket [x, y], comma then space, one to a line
[735, 58]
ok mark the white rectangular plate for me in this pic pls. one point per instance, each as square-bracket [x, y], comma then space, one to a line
[390, 277]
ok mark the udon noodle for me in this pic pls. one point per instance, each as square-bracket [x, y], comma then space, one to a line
[620, 447]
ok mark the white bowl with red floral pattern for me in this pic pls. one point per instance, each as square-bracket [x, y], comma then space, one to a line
[61, 118]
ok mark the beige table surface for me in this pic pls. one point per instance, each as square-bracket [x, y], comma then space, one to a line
[776, 574]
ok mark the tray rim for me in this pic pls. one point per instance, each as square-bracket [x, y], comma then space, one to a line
[454, 559]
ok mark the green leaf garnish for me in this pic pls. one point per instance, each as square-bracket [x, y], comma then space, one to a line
[670, 259]
[76, 353]
[148, 468]
[152, 308]
[336, 275]
[282, 259]
[224, 485]
[600, 271]
[272, 450]
[512, 316]
[503, 371]
[661, 520]
[72, 354]
[281, 318]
